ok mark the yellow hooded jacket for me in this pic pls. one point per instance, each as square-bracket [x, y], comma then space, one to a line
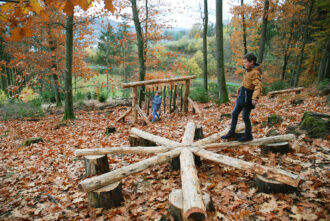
[252, 81]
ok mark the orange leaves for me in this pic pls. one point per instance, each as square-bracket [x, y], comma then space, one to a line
[109, 5]
[35, 5]
[68, 9]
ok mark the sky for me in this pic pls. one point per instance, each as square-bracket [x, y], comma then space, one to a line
[191, 11]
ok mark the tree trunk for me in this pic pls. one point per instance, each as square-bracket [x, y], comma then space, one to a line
[304, 40]
[189, 133]
[223, 94]
[244, 27]
[205, 45]
[286, 52]
[68, 100]
[263, 32]
[140, 45]
[325, 62]
[94, 183]
[96, 164]
[269, 172]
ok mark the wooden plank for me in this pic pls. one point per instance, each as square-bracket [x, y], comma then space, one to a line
[269, 172]
[158, 81]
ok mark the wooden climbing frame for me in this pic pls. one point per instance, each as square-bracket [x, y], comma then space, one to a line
[172, 91]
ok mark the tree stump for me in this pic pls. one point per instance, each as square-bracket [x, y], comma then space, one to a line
[106, 197]
[271, 186]
[96, 165]
[136, 141]
[176, 204]
[110, 130]
[282, 147]
[198, 133]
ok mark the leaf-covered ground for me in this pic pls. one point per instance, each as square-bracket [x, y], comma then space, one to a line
[40, 181]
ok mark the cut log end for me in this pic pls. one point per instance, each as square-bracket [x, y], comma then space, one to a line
[176, 205]
[281, 147]
[271, 186]
[106, 197]
[195, 214]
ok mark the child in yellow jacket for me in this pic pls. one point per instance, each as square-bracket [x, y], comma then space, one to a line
[248, 95]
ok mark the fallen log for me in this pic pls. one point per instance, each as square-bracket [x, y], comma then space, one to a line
[96, 165]
[154, 138]
[124, 115]
[217, 136]
[268, 172]
[189, 133]
[195, 106]
[193, 205]
[176, 204]
[121, 150]
[298, 89]
[97, 182]
[143, 115]
[259, 141]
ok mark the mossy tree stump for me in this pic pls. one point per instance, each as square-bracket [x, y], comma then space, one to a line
[317, 125]
[176, 204]
[96, 165]
[106, 197]
[136, 141]
[271, 186]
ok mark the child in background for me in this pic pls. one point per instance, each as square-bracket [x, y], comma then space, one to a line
[156, 102]
[248, 95]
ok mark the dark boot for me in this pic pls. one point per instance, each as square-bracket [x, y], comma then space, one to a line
[245, 138]
[230, 134]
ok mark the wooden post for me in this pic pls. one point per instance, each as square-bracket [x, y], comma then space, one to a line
[186, 95]
[174, 97]
[134, 103]
[193, 205]
[164, 98]
[171, 96]
[181, 97]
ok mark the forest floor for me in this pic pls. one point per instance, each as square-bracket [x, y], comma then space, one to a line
[40, 181]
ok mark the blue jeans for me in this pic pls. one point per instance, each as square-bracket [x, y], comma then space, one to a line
[154, 114]
[242, 104]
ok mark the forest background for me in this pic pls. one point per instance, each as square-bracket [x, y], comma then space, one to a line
[294, 35]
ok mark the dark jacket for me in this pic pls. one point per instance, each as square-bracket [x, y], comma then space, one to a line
[156, 102]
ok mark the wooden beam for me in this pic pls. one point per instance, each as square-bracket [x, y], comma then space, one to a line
[269, 172]
[259, 141]
[158, 81]
[143, 115]
[214, 137]
[193, 205]
[272, 93]
[129, 110]
[154, 138]
[121, 150]
[189, 133]
[195, 106]
[97, 182]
